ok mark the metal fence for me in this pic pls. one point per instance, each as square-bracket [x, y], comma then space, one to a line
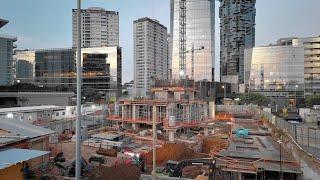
[304, 134]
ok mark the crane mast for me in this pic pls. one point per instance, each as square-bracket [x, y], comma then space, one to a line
[182, 39]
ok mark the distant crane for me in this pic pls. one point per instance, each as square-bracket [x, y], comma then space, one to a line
[192, 58]
[182, 39]
[182, 43]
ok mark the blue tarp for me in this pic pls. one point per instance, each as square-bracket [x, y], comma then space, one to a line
[13, 156]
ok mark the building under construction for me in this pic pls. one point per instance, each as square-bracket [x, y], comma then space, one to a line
[174, 105]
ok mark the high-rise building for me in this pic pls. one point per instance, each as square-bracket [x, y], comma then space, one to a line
[100, 28]
[150, 53]
[24, 66]
[102, 69]
[276, 71]
[192, 27]
[55, 68]
[311, 63]
[237, 32]
[6, 57]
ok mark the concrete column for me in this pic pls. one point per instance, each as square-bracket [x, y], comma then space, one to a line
[135, 126]
[171, 135]
[134, 112]
[206, 131]
[212, 108]
[123, 111]
[239, 176]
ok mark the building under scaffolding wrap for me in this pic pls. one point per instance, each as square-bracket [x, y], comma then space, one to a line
[174, 105]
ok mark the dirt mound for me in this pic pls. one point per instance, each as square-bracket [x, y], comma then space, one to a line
[122, 171]
[176, 152]
[213, 144]
[191, 171]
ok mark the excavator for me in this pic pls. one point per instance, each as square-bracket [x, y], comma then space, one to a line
[174, 168]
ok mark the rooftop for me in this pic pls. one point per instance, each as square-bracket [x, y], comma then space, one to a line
[11, 157]
[5, 111]
[13, 130]
[3, 22]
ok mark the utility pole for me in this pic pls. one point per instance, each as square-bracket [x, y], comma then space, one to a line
[280, 173]
[154, 142]
[79, 72]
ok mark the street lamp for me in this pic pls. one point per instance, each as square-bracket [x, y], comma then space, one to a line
[224, 91]
[79, 79]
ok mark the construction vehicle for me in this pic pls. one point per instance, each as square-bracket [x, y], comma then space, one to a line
[174, 168]
[138, 160]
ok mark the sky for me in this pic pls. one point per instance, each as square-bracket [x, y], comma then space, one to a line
[48, 23]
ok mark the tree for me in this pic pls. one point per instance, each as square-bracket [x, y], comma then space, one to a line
[253, 98]
[312, 100]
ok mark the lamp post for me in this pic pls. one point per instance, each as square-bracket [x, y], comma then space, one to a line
[224, 91]
[79, 71]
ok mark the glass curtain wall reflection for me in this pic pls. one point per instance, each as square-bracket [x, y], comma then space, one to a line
[200, 20]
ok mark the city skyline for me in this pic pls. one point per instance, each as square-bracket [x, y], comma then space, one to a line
[273, 22]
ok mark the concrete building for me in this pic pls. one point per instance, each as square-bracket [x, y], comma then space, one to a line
[102, 69]
[237, 27]
[199, 32]
[99, 27]
[150, 53]
[55, 68]
[24, 66]
[174, 106]
[276, 71]
[311, 66]
[6, 57]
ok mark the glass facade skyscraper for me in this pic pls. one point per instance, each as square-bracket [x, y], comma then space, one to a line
[237, 32]
[6, 57]
[55, 68]
[200, 23]
[276, 72]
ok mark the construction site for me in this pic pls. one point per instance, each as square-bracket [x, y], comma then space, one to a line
[192, 139]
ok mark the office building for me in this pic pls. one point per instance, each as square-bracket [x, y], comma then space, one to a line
[100, 28]
[237, 32]
[24, 66]
[6, 57]
[102, 69]
[24, 72]
[55, 68]
[311, 61]
[192, 27]
[150, 53]
[276, 71]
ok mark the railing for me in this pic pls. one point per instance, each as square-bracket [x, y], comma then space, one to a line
[306, 136]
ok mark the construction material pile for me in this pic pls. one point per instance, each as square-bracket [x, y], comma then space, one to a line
[121, 171]
[176, 152]
[213, 144]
